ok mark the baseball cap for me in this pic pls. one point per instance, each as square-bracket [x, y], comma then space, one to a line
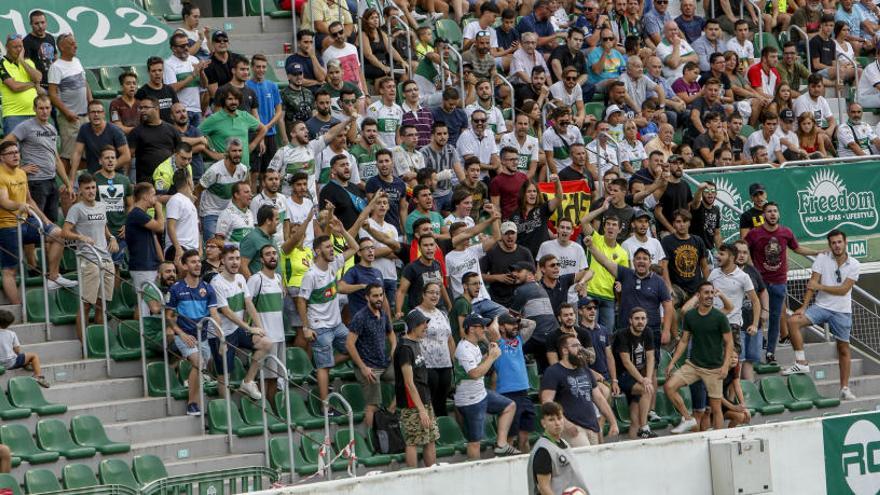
[508, 227]
[295, 69]
[756, 188]
[474, 319]
[675, 158]
[586, 300]
[787, 115]
[219, 34]
[640, 213]
[522, 265]
[415, 318]
[507, 318]
[612, 110]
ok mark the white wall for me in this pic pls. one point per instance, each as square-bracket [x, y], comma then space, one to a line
[669, 465]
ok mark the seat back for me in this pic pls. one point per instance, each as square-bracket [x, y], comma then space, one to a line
[116, 472]
[129, 334]
[354, 394]
[36, 311]
[88, 430]
[156, 379]
[52, 434]
[6, 406]
[752, 395]
[279, 454]
[18, 439]
[361, 449]
[24, 392]
[449, 30]
[40, 481]
[148, 468]
[311, 445]
[450, 432]
[78, 476]
[802, 387]
[621, 409]
[95, 341]
[298, 363]
[774, 390]
[8, 482]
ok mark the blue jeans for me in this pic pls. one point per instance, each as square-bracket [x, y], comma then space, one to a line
[390, 287]
[195, 118]
[605, 309]
[209, 226]
[488, 308]
[777, 300]
[9, 123]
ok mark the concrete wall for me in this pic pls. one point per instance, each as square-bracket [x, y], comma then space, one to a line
[670, 465]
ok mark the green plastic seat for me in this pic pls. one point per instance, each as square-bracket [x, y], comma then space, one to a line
[449, 30]
[89, 432]
[162, 9]
[802, 388]
[52, 435]
[299, 366]
[768, 40]
[534, 380]
[775, 392]
[665, 409]
[342, 371]
[156, 382]
[311, 444]
[95, 344]
[97, 91]
[596, 109]
[24, 392]
[279, 458]
[490, 436]
[766, 368]
[451, 434]
[251, 412]
[665, 358]
[217, 420]
[78, 476]
[129, 334]
[123, 302]
[8, 482]
[621, 407]
[116, 472]
[299, 413]
[36, 311]
[354, 394]
[148, 468]
[755, 402]
[318, 409]
[365, 454]
[280, 13]
[183, 369]
[21, 443]
[40, 481]
[66, 306]
[109, 77]
[746, 130]
[9, 412]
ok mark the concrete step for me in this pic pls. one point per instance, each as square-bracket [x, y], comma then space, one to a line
[137, 409]
[185, 447]
[202, 464]
[154, 429]
[265, 44]
[865, 385]
[35, 333]
[815, 351]
[243, 26]
[82, 370]
[57, 351]
[829, 370]
[93, 391]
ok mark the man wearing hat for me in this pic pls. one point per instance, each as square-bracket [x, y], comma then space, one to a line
[754, 216]
[497, 264]
[298, 100]
[511, 377]
[856, 137]
[219, 71]
[531, 301]
[641, 228]
[412, 393]
[472, 399]
[788, 139]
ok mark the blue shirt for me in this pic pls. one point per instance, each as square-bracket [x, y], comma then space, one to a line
[615, 64]
[506, 39]
[510, 367]
[191, 303]
[853, 18]
[456, 121]
[371, 332]
[692, 29]
[269, 97]
[141, 247]
[653, 22]
[531, 24]
[649, 293]
[601, 339]
[359, 274]
[198, 163]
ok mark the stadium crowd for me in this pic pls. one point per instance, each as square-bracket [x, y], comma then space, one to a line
[376, 189]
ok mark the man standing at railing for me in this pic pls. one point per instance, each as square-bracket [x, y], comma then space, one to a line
[86, 223]
[833, 275]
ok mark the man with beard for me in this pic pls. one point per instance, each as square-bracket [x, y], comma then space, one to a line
[486, 102]
[347, 198]
[687, 261]
[754, 216]
[833, 275]
[566, 93]
[335, 147]
[299, 155]
[504, 188]
[192, 136]
[737, 286]
[233, 299]
[91, 138]
[709, 358]
[230, 122]
[190, 300]
[386, 112]
[600, 339]
[364, 150]
[394, 188]
[444, 159]
[479, 142]
[570, 383]
[357, 279]
[270, 195]
[39, 46]
[465, 256]
[479, 55]
[297, 100]
[408, 162]
[536, 89]
[156, 88]
[153, 141]
[526, 146]
[154, 302]
[769, 245]
[140, 233]
[267, 225]
[216, 184]
[114, 191]
[369, 328]
[322, 121]
[568, 325]
[557, 140]
[267, 290]
[706, 221]
[751, 344]
[856, 137]
[676, 196]
[511, 377]
[183, 73]
[633, 350]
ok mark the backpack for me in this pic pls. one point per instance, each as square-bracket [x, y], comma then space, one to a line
[387, 438]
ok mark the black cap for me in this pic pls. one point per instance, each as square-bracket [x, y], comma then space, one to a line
[415, 318]
[756, 188]
[295, 69]
[508, 319]
[640, 213]
[522, 265]
[787, 115]
[586, 300]
[474, 319]
[219, 34]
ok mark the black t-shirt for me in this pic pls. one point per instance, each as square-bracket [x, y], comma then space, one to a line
[723, 78]
[751, 218]
[566, 59]
[111, 135]
[218, 72]
[574, 392]
[624, 214]
[703, 141]
[558, 294]
[318, 127]
[676, 196]
[348, 201]
[583, 336]
[703, 106]
[42, 52]
[526, 92]
[636, 346]
[248, 101]
[684, 256]
[498, 261]
[141, 247]
[705, 221]
[419, 274]
[825, 50]
[166, 96]
[410, 352]
[152, 145]
[532, 227]
[737, 145]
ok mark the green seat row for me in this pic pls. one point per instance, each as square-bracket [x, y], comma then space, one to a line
[24, 397]
[53, 440]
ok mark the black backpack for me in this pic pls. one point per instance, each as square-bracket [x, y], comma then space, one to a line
[387, 438]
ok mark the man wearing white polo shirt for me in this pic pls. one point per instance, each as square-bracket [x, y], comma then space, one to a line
[480, 142]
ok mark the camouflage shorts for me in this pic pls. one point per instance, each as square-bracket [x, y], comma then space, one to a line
[413, 431]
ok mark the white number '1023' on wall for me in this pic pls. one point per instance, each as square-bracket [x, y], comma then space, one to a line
[139, 25]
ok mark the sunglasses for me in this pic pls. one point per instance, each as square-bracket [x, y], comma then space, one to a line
[337, 33]
[479, 121]
[349, 102]
[608, 38]
[570, 78]
[552, 265]
[181, 46]
[837, 274]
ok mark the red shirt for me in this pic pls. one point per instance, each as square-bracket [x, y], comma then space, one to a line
[763, 81]
[769, 252]
[507, 186]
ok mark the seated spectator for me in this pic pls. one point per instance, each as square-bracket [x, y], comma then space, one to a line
[788, 140]
[782, 100]
[847, 66]
[124, 108]
[856, 137]
[709, 101]
[321, 15]
[11, 355]
[809, 136]
[766, 138]
[605, 62]
[537, 23]
[823, 50]
[715, 138]
[345, 53]
[488, 12]
[527, 58]
[763, 76]
[674, 51]
[569, 55]
[508, 38]
[814, 101]
[309, 64]
[663, 142]
[791, 70]
[654, 23]
[861, 29]
[690, 24]
[638, 86]
[741, 43]
[687, 87]
[375, 46]
[807, 15]
[729, 11]
[869, 84]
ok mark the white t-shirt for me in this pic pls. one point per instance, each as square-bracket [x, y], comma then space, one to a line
[561, 146]
[558, 92]
[757, 139]
[870, 78]
[268, 297]
[572, 258]
[387, 119]
[298, 214]
[279, 202]
[633, 153]
[469, 392]
[819, 107]
[177, 70]
[745, 51]
[182, 209]
[71, 80]
[603, 158]
[734, 285]
[319, 290]
[473, 27]
[291, 159]
[652, 245]
[664, 50]
[827, 267]
[494, 117]
[349, 60]
[861, 133]
[528, 151]
[460, 262]
[470, 144]
[384, 265]
[231, 294]
[218, 183]
[234, 223]
[789, 136]
[435, 345]
[8, 341]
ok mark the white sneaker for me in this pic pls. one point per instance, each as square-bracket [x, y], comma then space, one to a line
[685, 426]
[846, 394]
[419, 17]
[796, 368]
[250, 388]
[60, 282]
[653, 416]
[437, 16]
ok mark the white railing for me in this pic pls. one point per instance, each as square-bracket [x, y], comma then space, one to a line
[290, 427]
[218, 331]
[139, 293]
[45, 275]
[84, 317]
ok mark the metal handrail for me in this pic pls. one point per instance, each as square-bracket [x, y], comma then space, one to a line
[84, 318]
[350, 413]
[760, 24]
[21, 263]
[856, 74]
[460, 72]
[206, 321]
[409, 37]
[806, 39]
[830, 161]
[139, 293]
[286, 377]
[512, 97]
[263, 14]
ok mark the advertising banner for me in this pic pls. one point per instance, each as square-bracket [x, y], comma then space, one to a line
[852, 454]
